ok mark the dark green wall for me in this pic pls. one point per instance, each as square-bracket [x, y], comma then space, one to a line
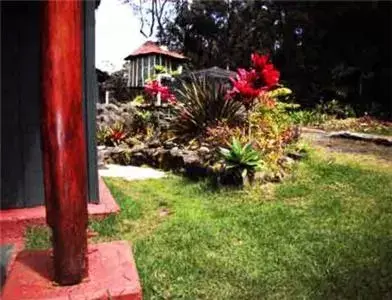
[21, 162]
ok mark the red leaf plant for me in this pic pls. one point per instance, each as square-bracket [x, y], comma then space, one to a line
[249, 85]
[153, 88]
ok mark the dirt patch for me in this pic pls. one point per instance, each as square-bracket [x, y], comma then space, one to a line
[320, 138]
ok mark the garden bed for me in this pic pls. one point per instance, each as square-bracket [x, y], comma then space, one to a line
[234, 135]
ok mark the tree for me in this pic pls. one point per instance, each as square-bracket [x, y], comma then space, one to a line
[117, 84]
[324, 50]
[151, 14]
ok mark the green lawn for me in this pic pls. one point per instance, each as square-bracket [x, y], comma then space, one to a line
[326, 233]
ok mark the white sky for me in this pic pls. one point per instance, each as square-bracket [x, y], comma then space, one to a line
[117, 34]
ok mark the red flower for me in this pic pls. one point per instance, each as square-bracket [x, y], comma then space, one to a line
[259, 61]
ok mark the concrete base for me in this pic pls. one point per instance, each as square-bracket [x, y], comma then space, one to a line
[112, 275]
[13, 222]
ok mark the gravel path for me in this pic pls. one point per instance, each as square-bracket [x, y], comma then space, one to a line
[130, 172]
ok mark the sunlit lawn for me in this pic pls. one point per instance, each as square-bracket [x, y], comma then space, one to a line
[326, 233]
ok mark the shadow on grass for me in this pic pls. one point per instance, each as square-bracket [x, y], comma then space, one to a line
[371, 280]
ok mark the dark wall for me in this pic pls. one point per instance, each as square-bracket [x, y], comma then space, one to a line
[21, 162]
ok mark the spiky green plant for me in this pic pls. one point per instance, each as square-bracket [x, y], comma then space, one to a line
[243, 160]
[201, 103]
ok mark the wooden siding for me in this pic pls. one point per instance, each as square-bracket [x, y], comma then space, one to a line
[21, 156]
[143, 67]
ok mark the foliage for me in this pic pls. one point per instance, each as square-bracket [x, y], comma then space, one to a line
[335, 108]
[220, 134]
[307, 117]
[138, 100]
[117, 84]
[251, 84]
[163, 70]
[324, 52]
[272, 130]
[102, 134]
[243, 160]
[111, 135]
[322, 113]
[202, 103]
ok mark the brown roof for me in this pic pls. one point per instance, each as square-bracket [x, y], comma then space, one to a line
[150, 47]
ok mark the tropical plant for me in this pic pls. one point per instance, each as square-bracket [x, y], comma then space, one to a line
[308, 117]
[116, 134]
[138, 100]
[202, 103]
[242, 160]
[102, 135]
[142, 120]
[250, 85]
[220, 134]
[335, 108]
[111, 135]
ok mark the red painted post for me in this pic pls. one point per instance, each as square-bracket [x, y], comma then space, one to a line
[63, 139]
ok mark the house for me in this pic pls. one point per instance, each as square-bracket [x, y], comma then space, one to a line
[22, 174]
[142, 62]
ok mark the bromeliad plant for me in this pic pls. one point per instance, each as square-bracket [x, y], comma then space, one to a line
[111, 136]
[251, 87]
[243, 161]
[250, 84]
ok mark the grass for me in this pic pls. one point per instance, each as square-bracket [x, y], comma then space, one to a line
[326, 233]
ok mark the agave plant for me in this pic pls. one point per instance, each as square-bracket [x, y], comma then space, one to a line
[242, 160]
[201, 103]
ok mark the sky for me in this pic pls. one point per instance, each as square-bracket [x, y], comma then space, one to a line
[117, 34]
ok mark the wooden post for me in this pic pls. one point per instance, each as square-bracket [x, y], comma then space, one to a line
[63, 138]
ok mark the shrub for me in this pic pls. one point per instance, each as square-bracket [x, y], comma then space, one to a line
[271, 131]
[335, 108]
[307, 117]
[142, 120]
[220, 134]
[202, 103]
[243, 161]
